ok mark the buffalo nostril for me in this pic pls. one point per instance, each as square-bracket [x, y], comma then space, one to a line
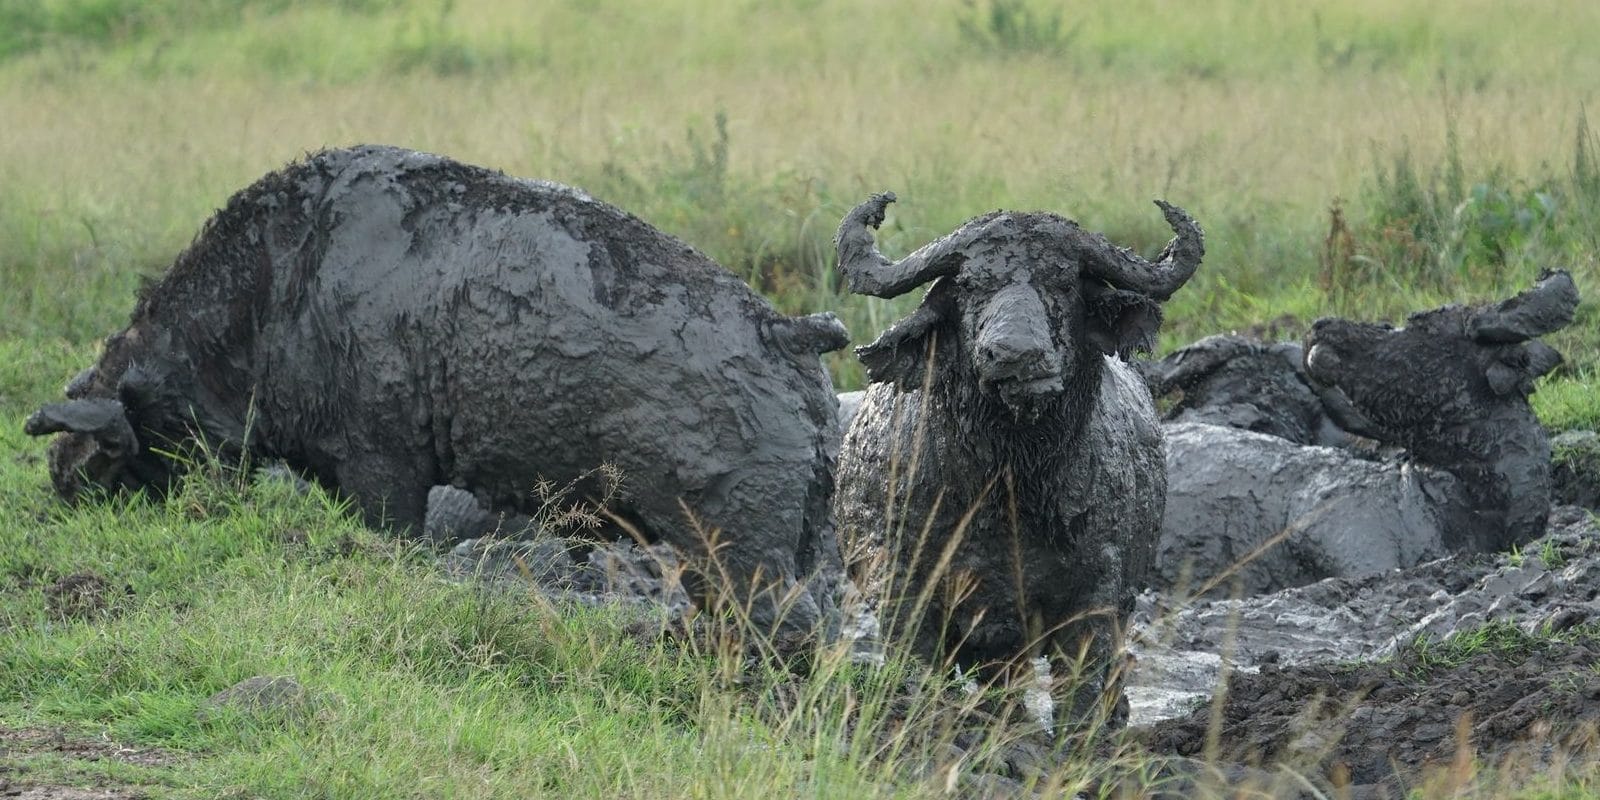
[1012, 348]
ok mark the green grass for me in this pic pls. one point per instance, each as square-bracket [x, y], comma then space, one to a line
[1453, 138]
[1505, 640]
[1574, 401]
[426, 687]
[749, 130]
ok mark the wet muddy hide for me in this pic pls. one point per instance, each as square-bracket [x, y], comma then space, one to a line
[1447, 393]
[386, 321]
[1238, 381]
[1003, 478]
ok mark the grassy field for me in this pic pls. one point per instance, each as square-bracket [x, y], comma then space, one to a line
[1452, 138]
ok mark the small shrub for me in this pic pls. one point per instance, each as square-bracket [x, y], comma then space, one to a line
[1012, 27]
[1504, 639]
[1439, 230]
[1550, 555]
[433, 44]
[21, 23]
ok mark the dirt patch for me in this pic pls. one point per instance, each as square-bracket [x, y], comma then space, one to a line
[33, 741]
[79, 596]
[20, 780]
[1382, 681]
[23, 792]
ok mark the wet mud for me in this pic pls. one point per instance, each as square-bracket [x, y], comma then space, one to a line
[1385, 725]
[1331, 677]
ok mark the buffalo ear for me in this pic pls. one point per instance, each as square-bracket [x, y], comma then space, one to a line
[153, 401]
[901, 355]
[1121, 322]
[1516, 368]
[104, 420]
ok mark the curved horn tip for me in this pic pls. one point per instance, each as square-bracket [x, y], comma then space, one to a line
[103, 418]
[871, 211]
[1548, 306]
[1174, 214]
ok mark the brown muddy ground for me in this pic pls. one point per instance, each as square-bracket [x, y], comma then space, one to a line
[1326, 687]
[48, 764]
[1552, 583]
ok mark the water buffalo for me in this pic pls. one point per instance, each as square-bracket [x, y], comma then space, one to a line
[386, 321]
[1005, 460]
[1239, 381]
[1449, 391]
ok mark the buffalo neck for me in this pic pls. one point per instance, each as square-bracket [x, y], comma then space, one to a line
[1502, 465]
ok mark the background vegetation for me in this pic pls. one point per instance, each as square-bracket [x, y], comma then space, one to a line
[1363, 157]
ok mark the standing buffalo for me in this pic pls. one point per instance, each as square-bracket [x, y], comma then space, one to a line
[386, 321]
[1449, 390]
[1005, 459]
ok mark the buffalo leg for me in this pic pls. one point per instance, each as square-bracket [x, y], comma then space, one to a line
[391, 494]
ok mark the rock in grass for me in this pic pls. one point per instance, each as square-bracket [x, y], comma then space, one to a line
[586, 572]
[261, 697]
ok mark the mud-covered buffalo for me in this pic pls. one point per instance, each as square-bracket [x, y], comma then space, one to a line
[386, 321]
[1005, 462]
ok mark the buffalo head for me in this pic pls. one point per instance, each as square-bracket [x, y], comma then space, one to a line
[1477, 359]
[1028, 301]
[109, 420]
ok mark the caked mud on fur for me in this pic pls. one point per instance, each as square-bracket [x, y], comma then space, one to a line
[1238, 381]
[1448, 392]
[387, 321]
[1004, 395]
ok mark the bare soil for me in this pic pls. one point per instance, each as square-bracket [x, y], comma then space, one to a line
[81, 755]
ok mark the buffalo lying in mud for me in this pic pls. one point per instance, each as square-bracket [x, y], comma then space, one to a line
[1449, 391]
[1005, 462]
[1239, 381]
[386, 321]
